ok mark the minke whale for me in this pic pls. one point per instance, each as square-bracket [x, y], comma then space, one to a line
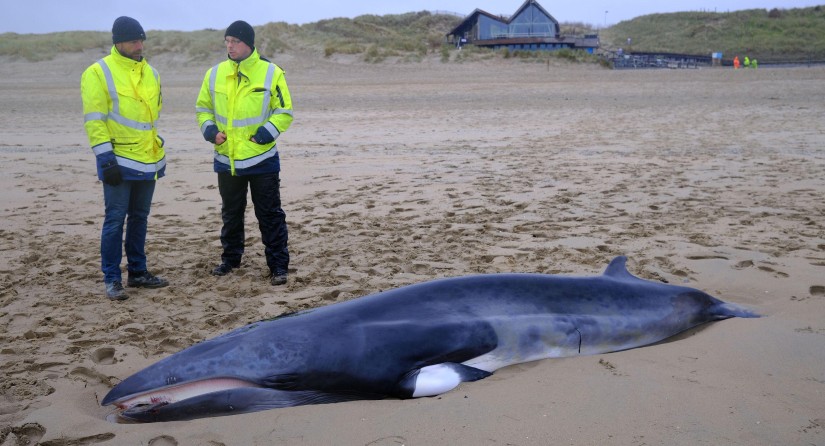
[414, 341]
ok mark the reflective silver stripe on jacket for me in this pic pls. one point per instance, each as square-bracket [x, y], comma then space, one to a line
[265, 113]
[100, 149]
[206, 124]
[141, 167]
[213, 78]
[247, 163]
[95, 116]
[115, 113]
[272, 130]
[251, 121]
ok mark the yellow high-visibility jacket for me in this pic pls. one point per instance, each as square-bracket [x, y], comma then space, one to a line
[121, 105]
[240, 97]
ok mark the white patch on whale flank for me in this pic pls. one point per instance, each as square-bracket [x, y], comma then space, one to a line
[435, 379]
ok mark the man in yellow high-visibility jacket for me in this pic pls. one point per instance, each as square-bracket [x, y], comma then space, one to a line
[121, 104]
[243, 107]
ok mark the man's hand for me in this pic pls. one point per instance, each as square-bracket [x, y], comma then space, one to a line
[212, 135]
[111, 175]
[262, 136]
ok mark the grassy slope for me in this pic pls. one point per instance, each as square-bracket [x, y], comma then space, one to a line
[776, 35]
[792, 34]
[377, 37]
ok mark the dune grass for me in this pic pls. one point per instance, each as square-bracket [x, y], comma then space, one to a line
[38, 47]
[381, 36]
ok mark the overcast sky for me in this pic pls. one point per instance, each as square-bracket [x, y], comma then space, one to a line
[44, 16]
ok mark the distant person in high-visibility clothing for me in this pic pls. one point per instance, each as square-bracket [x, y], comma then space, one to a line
[747, 62]
[754, 64]
[736, 63]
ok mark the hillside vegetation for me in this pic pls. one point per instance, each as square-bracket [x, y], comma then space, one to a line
[409, 36]
[769, 35]
[775, 35]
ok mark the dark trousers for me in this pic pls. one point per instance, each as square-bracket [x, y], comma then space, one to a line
[266, 198]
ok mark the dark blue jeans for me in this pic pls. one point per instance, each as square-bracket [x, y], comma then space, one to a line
[128, 203]
[266, 198]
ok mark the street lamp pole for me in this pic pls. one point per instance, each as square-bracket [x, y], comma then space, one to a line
[605, 19]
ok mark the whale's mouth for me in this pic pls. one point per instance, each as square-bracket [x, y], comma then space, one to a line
[154, 399]
[216, 397]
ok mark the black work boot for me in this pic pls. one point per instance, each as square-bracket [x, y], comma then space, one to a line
[115, 291]
[277, 278]
[145, 279]
[224, 268]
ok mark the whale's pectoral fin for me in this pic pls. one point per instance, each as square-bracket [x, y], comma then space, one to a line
[438, 378]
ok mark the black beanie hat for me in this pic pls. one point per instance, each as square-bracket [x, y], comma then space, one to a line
[126, 29]
[242, 31]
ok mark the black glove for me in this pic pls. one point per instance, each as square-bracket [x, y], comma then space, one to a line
[262, 136]
[111, 174]
[210, 133]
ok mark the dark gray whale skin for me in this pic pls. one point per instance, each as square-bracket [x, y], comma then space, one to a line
[417, 340]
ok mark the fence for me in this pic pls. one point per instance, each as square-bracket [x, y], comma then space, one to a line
[652, 60]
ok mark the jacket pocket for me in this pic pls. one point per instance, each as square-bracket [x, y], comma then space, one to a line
[127, 145]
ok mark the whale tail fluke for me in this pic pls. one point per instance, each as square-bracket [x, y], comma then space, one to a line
[727, 310]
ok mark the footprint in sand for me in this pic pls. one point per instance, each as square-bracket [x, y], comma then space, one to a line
[221, 306]
[170, 345]
[163, 440]
[330, 296]
[387, 441]
[90, 376]
[776, 273]
[417, 268]
[707, 257]
[29, 433]
[679, 273]
[744, 264]
[105, 356]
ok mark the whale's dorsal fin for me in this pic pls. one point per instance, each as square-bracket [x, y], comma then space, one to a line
[618, 270]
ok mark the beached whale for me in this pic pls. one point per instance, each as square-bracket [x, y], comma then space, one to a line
[413, 341]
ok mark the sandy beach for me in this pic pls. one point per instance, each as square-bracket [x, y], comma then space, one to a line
[397, 173]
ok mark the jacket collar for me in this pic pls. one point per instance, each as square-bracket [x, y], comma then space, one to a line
[247, 63]
[124, 61]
